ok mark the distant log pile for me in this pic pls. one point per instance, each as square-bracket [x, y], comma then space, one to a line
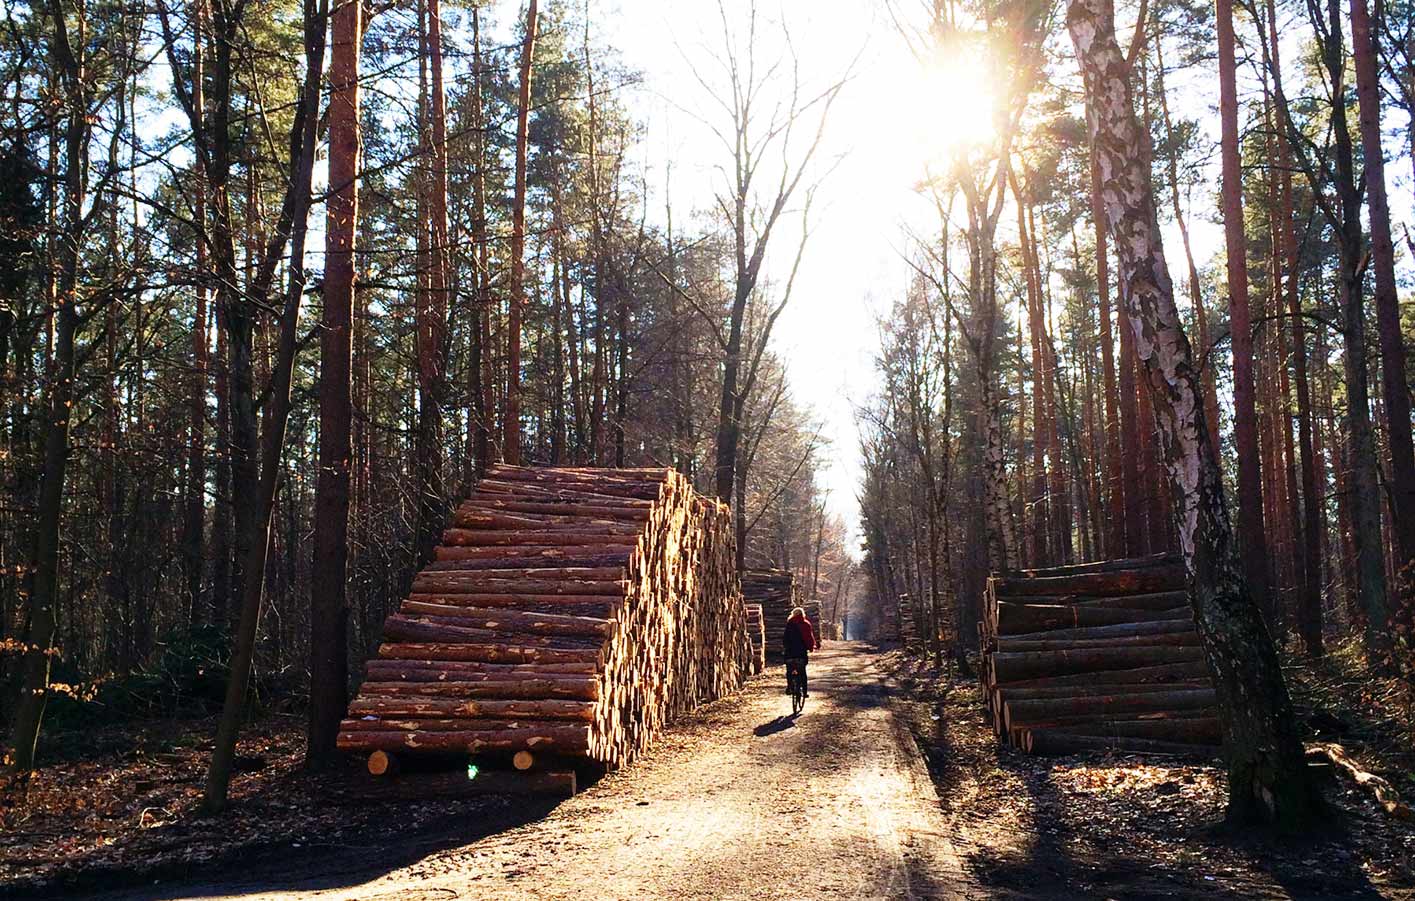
[908, 633]
[756, 633]
[775, 591]
[571, 612]
[813, 613]
[1097, 656]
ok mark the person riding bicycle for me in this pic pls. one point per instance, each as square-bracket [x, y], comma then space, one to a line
[797, 642]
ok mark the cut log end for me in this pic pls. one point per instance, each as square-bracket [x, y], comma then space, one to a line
[523, 760]
[382, 763]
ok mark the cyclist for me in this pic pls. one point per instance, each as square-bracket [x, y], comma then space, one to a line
[798, 641]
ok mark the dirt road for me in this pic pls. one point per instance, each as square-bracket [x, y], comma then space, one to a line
[739, 802]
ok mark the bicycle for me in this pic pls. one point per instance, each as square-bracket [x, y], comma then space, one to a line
[796, 684]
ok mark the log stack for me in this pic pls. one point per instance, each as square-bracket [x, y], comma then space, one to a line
[756, 633]
[775, 591]
[813, 614]
[570, 612]
[1097, 656]
[908, 631]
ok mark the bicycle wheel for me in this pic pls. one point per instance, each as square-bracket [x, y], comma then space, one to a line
[798, 691]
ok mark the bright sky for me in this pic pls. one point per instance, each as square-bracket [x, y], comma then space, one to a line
[891, 121]
[852, 266]
[894, 119]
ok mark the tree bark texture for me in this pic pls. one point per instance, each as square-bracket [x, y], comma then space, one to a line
[511, 450]
[1267, 774]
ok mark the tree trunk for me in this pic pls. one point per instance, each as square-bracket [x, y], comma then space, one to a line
[260, 478]
[1363, 502]
[329, 608]
[1115, 483]
[194, 504]
[1267, 773]
[1394, 378]
[432, 311]
[1245, 428]
[58, 401]
[511, 451]
[1308, 555]
[1039, 518]
[482, 380]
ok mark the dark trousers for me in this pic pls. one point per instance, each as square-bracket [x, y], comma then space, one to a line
[800, 664]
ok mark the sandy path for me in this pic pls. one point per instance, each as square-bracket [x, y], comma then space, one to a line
[736, 803]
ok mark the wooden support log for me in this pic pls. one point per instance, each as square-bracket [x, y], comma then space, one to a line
[1171, 639]
[591, 605]
[1199, 729]
[608, 495]
[384, 670]
[550, 508]
[559, 555]
[1159, 600]
[486, 653]
[1164, 672]
[1102, 584]
[1044, 691]
[1100, 566]
[535, 537]
[1041, 712]
[513, 620]
[1048, 742]
[372, 723]
[399, 627]
[534, 563]
[579, 689]
[1116, 630]
[475, 516]
[627, 476]
[451, 583]
[562, 573]
[1011, 667]
[563, 739]
[470, 709]
[1013, 618]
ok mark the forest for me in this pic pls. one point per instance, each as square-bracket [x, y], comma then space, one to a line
[280, 283]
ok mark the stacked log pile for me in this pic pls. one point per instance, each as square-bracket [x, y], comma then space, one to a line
[813, 613]
[568, 611]
[1097, 656]
[775, 591]
[756, 633]
[908, 631]
[887, 628]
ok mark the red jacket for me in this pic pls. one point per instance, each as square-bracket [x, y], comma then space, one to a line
[799, 638]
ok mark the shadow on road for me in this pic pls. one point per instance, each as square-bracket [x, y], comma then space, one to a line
[323, 866]
[771, 727]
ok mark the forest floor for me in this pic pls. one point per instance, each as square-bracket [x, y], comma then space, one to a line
[738, 801]
[1108, 826]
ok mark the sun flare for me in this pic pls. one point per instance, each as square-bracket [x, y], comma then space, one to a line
[947, 111]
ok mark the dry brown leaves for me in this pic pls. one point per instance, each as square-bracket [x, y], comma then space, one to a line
[1123, 826]
[131, 812]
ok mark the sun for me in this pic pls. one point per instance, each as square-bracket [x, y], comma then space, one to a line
[955, 107]
[938, 111]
